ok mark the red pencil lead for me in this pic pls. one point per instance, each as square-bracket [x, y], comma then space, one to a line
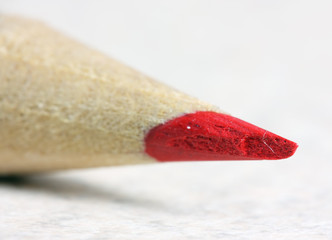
[214, 136]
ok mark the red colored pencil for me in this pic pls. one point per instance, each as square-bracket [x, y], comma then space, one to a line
[64, 105]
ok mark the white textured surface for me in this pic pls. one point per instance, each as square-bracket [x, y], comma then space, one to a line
[273, 57]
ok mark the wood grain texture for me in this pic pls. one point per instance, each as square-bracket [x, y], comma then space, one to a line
[64, 105]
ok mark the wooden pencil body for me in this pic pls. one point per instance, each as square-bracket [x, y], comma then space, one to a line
[63, 105]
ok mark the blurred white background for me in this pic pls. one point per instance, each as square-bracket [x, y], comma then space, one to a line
[267, 62]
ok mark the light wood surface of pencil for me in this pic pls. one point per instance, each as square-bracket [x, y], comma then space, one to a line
[64, 105]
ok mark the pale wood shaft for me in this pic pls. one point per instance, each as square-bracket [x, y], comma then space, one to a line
[64, 105]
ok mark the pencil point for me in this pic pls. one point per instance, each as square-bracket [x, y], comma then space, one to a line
[87, 110]
[214, 136]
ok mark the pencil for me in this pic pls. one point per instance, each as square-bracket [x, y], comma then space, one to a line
[64, 105]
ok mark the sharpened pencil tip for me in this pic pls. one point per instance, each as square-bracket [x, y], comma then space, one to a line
[214, 136]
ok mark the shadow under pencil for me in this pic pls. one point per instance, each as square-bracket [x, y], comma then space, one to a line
[76, 190]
